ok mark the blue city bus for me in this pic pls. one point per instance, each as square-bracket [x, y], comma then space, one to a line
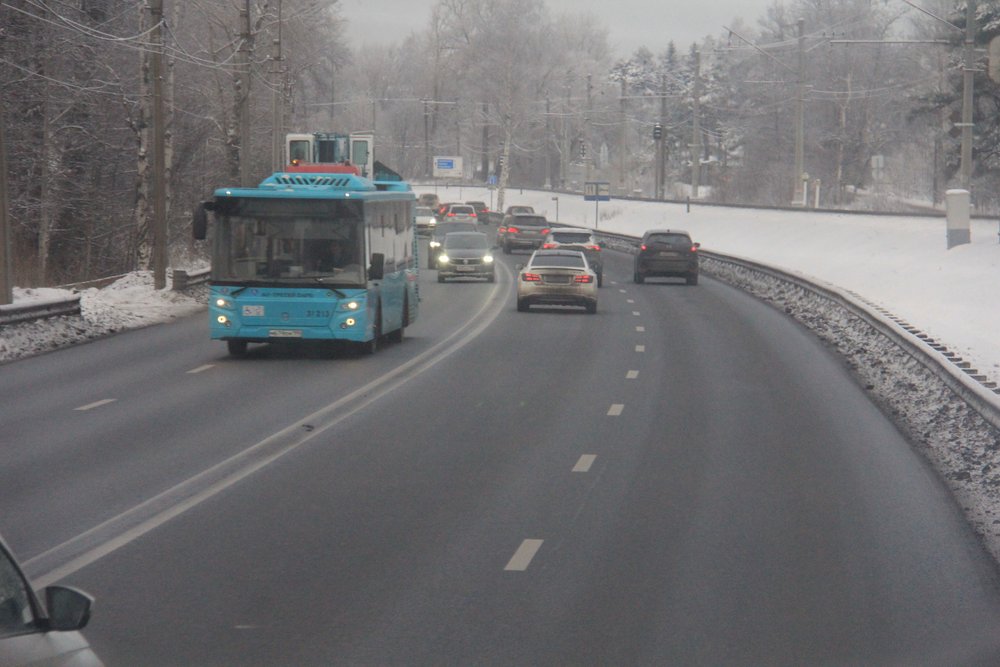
[314, 253]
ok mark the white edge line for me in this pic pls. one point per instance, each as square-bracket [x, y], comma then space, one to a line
[95, 404]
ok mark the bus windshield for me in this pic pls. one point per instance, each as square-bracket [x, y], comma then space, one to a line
[293, 249]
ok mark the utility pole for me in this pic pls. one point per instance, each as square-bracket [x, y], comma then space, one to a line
[586, 136]
[159, 150]
[798, 196]
[485, 146]
[967, 73]
[244, 102]
[277, 120]
[548, 142]
[427, 139]
[624, 141]
[696, 128]
[6, 270]
[661, 183]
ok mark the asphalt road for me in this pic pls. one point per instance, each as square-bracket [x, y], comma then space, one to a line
[686, 477]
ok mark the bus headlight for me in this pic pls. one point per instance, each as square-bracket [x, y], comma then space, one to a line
[350, 322]
[223, 303]
[350, 305]
[223, 320]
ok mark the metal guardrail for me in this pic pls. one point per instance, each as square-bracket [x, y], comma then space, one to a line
[14, 313]
[70, 305]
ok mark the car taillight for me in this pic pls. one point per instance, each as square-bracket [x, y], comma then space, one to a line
[472, 215]
[501, 230]
[694, 248]
[451, 215]
[594, 247]
[583, 279]
[512, 230]
[549, 246]
[546, 231]
[643, 247]
[531, 278]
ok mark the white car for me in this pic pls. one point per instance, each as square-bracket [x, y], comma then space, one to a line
[557, 277]
[33, 633]
[426, 220]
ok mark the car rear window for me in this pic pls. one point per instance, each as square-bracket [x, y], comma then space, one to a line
[538, 220]
[669, 239]
[570, 237]
[467, 210]
[421, 210]
[568, 261]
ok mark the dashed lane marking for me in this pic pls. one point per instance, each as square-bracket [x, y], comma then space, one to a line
[640, 348]
[641, 329]
[583, 465]
[95, 404]
[521, 559]
[636, 313]
[616, 409]
[631, 375]
[200, 369]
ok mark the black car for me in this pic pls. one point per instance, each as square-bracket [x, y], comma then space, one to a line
[668, 253]
[437, 238]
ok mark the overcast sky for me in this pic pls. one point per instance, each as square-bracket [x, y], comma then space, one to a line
[630, 23]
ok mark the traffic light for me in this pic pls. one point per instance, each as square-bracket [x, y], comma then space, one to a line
[657, 132]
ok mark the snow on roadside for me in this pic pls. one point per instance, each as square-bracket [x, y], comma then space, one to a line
[128, 303]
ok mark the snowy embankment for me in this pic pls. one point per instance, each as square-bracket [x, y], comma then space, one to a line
[128, 303]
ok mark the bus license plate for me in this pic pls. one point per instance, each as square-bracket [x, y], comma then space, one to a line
[285, 333]
[253, 311]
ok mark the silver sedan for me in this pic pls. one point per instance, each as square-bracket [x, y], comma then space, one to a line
[557, 277]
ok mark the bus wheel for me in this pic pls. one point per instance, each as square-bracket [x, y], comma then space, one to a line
[237, 348]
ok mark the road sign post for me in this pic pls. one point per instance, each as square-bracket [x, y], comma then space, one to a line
[597, 191]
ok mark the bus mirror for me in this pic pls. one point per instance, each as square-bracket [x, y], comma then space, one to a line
[199, 222]
[377, 270]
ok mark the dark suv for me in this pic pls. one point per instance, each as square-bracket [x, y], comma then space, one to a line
[668, 253]
[526, 230]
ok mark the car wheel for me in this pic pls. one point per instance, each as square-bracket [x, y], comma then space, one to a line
[692, 279]
[237, 348]
[492, 278]
[440, 277]
[638, 278]
[592, 307]
[506, 249]
[600, 279]
[522, 306]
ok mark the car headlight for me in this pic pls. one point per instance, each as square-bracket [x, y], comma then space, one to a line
[435, 244]
[488, 259]
[443, 258]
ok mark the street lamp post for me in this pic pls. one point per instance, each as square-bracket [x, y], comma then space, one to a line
[556, 200]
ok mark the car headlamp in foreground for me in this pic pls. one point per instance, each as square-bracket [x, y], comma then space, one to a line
[443, 258]
[488, 259]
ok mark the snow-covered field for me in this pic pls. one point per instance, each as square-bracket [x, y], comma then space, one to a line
[899, 263]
